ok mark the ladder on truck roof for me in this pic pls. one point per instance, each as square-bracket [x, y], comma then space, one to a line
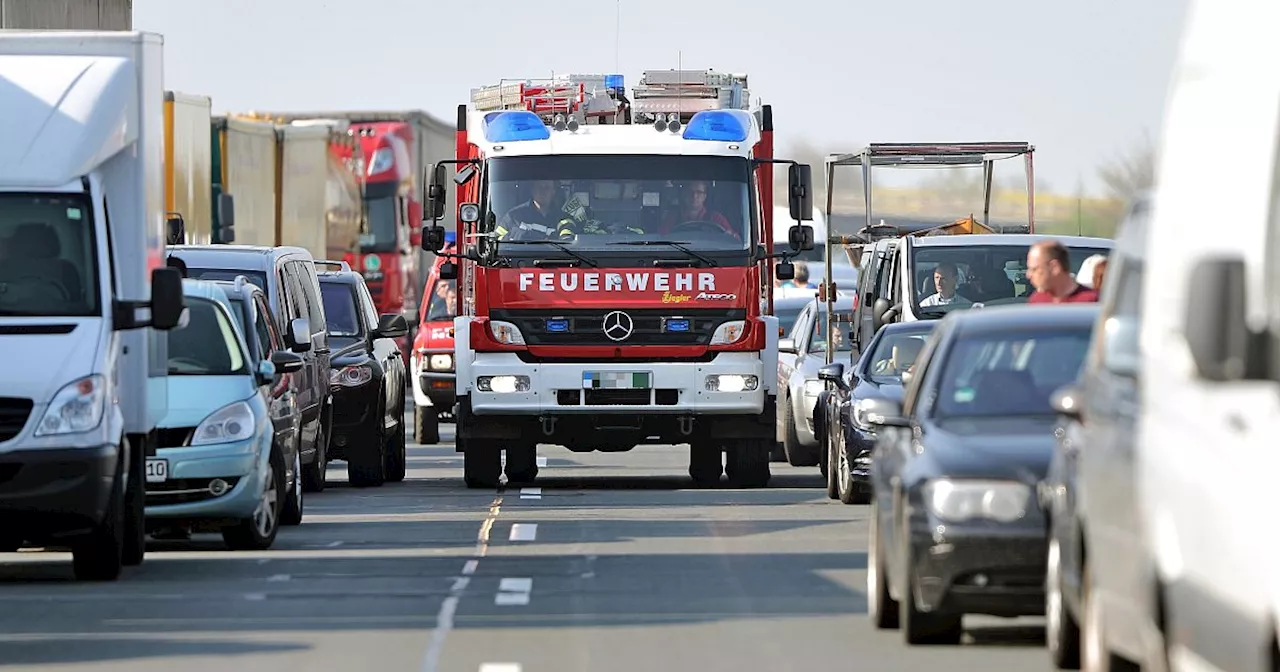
[591, 98]
[662, 93]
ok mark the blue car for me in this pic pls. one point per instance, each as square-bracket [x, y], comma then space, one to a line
[218, 466]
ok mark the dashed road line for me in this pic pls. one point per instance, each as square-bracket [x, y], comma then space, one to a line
[524, 532]
[541, 461]
[500, 667]
[531, 493]
[513, 592]
[449, 607]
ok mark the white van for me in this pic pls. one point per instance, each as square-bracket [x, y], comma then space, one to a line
[1208, 457]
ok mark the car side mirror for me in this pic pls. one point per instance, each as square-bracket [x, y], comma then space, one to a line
[167, 300]
[266, 372]
[1214, 324]
[448, 271]
[878, 311]
[286, 362]
[787, 345]
[298, 337]
[391, 325]
[833, 373]
[884, 413]
[1067, 400]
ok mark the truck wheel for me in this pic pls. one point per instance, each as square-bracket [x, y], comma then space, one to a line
[522, 464]
[100, 555]
[481, 463]
[258, 532]
[747, 463]
[705, 464]
[778, 454]
[426, 425]
[135, 502]
[367, 468]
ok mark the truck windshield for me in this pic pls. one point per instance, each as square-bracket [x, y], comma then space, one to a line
[595, 202]
[48, 259]
[987, 274]
[381, 215]
[207, 345]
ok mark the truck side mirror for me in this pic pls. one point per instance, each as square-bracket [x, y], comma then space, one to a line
[448, 271]
[785, 270]
[800, 236]
[436, 197]
[175, 229]
[1222, 345]
[167, 300]
[800, 192]
[226, 218]
[432, 238]
[878, 311]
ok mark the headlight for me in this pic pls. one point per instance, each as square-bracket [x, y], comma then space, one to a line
[233, 422]
[729, 332]
[506, 333]
[732, 382]
[860, 414]
[77, 407]
[959, 501]
[354, 375]
[442, 362]
[813, 388]
[503, 384]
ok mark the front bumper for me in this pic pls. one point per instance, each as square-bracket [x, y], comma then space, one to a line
[434, 387]
[186, 494]
[677, 388]
[980, 567]
[50, 494]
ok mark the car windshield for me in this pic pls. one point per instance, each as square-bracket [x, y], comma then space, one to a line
[818, 339]
[444, 301]
[207, 345]
[256, 277]
[1009, 373]
[601, 203]
[340, 309]
[48, 259]
[894, 353]
[957, 276]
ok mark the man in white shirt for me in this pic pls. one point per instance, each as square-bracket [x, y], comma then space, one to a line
[945, 279]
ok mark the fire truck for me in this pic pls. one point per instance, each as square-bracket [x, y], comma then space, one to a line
[615, 269]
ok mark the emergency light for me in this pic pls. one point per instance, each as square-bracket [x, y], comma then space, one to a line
[450, 236]
[514, 126]
[719, 126]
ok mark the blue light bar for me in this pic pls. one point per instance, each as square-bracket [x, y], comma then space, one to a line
[514, 126]
[614, 83]
[675, 325]
[719, 126]
[558, 325]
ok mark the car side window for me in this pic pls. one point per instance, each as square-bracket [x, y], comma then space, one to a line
[287, 295]
[798, 328]
[366, 305]
[912, 402]
[1125, 352]
[266, 327]
[311, 289]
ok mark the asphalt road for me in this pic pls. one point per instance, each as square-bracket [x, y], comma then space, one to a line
[615, 563]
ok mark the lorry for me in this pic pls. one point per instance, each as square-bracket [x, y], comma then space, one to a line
[87, 296]
[244, 167]
[636, 307]
[188, 164]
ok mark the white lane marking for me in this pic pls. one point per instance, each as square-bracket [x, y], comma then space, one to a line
[524, 531]
[531, 493]
[541, 461]
[334, 544]
[511, 599]
[500, 667]
[513, 592]
[255, 597]
[517, 585]
[449, 607]
[264, 561]
[279, 577]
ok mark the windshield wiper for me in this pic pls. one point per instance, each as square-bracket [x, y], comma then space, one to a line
[556, 244]
[679, 245]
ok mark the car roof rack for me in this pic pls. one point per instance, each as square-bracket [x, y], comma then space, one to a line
[336, 266]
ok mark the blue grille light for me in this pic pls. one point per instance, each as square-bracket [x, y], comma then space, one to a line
[558, 325]
[514, 126]
[676, 325]
[719, 126]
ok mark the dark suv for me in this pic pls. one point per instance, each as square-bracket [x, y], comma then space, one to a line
[367, 376]
[288, 276]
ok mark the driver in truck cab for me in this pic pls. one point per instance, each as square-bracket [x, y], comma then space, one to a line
[695, 209]
[535, 218]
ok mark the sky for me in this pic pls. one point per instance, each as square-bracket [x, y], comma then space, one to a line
[1084, 81]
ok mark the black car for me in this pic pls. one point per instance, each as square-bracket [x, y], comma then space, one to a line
[367, 377]
[840, 416]
[252, 312]
[288, 276]
[955, 523]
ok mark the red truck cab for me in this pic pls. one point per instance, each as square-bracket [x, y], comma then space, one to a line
[432, 363]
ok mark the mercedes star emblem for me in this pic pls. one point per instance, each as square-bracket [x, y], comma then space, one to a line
[618, 326]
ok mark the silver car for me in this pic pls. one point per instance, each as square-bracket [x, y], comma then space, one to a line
[800, 355]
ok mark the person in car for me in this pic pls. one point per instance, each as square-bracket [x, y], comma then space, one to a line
[1049, 271]
[903, 358]
[946, 278]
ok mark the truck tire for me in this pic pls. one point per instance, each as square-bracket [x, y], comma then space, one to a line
[426, 425]
[522, 464]
[747, 463]
[100, 555]
[135, 502]
[481, 463]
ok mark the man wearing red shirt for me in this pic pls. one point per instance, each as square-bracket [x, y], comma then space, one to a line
[695, 209]
[1049, 270]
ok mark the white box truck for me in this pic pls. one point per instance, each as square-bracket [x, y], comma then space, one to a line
[85, 296]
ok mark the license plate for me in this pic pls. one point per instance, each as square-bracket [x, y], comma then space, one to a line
[617, 380]
[157, 470]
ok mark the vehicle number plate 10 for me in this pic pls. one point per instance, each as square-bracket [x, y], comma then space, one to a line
[617, 380]
[157, 470]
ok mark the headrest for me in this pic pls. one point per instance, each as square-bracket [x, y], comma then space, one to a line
[35, 241]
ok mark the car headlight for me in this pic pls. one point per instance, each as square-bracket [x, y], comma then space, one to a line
[962, 500]
[353, 375]
[77, 407]
[729, 332]
[859, 414]
[443, 362]
[506, 333]
[233, 422]
[813, 388]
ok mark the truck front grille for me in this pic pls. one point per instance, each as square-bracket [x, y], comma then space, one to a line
[649, 326]
[13, 416]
